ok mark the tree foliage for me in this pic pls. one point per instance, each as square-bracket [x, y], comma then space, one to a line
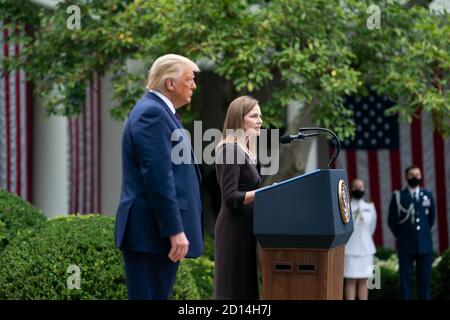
[311, 51]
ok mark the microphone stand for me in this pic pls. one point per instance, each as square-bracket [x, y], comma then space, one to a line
[323, 131]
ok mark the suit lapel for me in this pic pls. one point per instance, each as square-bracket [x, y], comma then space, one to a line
[153, 96]
[177, 122]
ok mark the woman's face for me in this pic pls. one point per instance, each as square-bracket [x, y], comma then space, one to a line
[253, 122]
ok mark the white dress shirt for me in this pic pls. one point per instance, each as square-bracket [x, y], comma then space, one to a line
[414, 192]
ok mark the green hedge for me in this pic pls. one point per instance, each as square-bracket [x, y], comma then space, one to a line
[441, 277]
[16, 215]
[35, 263]
[390, 279]
[384, 253]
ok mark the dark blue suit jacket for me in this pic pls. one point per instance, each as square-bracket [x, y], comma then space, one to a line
[159, 198]
[413, 230]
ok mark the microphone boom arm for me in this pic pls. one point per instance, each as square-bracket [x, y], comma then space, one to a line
[323, 131]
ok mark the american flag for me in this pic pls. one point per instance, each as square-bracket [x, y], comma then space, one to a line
[15, 123]
[84, 153]
[383, 148]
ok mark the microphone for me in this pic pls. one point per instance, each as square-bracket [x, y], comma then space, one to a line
[317, 131]
[291, 138]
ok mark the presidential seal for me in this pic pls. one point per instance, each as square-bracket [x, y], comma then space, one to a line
[344, 201]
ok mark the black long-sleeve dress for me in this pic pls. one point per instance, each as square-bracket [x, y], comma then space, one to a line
[235, 245]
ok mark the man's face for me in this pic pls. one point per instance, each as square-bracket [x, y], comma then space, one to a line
[414, 173]
[183, 87]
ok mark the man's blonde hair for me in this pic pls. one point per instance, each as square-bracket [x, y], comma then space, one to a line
[169, 66]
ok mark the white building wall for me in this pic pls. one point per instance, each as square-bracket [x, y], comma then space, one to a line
[110, 152]
[49, 162]
[312, 162]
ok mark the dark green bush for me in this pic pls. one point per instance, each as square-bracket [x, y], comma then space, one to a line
[384, 253]
[16, 215]
[390, 280]
[209, 247]
[35, 263]
[185, 287]
[441, 277]
[202, 270]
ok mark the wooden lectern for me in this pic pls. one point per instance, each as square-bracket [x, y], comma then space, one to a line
[302, 225]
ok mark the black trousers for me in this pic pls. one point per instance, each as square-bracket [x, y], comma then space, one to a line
[423, 271]
[149, 276]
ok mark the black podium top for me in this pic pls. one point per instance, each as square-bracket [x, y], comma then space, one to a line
[308, 211]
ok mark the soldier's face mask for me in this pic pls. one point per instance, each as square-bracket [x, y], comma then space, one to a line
[357, 194]
[414, 182]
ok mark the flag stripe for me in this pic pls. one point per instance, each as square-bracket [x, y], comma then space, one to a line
[416, 142]
[7, 106]
[12, 122]
[374, 182]
[351, 165]
[91, 106]
[84, 155]
[15, 153]
[2, 119]
[428, 174]
[77, 161]
[98, 146]
[447, 179]
[405, 147]
[386, 170]
[27, 122]
[441, 201]
[396, 173]
[18, 128]
[85, 168]
[362, 169]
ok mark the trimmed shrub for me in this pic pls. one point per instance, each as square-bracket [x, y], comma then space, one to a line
[209, 247]
[389, 277]
[2, 232]
[16, 215]
[185, 287]
[37, 263]
[384, 253]
[441, 277]
[202, 270]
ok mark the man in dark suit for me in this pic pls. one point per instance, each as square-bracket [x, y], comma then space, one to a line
[158, 220]
[411, 217]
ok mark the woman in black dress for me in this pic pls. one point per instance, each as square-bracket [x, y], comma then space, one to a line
[235, 245]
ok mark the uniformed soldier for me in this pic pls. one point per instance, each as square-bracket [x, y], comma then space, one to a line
[411, 217]
[360, 248]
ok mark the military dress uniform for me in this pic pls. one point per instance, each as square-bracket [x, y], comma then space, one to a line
[411, 217]
[359, 250]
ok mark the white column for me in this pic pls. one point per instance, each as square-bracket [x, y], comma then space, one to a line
[49, 162]
[110, 152]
